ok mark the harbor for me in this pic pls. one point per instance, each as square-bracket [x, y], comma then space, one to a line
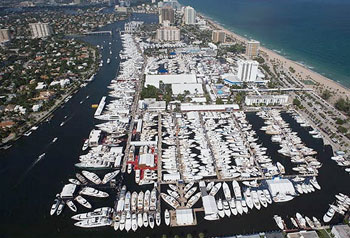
[143, 171]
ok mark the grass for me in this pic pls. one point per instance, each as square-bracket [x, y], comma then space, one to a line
[323, 234]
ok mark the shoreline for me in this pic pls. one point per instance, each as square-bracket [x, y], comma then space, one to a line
[302, 72]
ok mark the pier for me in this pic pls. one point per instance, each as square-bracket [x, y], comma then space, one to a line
[98, 33]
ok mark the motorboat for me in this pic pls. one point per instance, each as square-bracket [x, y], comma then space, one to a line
[109, 176]
[85, 145]
[301, 220]
[89, 191]
[151, 220]
[92, 177]
[314, 183]
[146, 201]
[94, 222]
[226, 208]
[145, 219]
[188, 187]
[227, 191]
[329, 215]
[167, 217]
[74, 181]
[140, 201]
[99, 212]
[220, 208]
[128, 221]
[122, 221]
[215, 189]
[139, 220]
[233, 208]
[54, 206]
[279, 221]
[82, 201]
[190, 192]
[134, 222]
[193, 200]
[239, 206]
[81, 178]
[116, 222]
[60, 208]
[158, 218]
[170, 200]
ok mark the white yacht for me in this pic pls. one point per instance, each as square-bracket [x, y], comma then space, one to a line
[145, 219]
[151, 220]
[128, 221]
[60, 208]
[167, 217]
[109, 176]
[227, 191]
[158, 218]
[82, 201]
[279, 221]
[91, 176]
[220, 208]
[170, 200]
[94, 222]
[99, 212]
[329, 215]
[54, 206]
[134, 222]
[93, 192]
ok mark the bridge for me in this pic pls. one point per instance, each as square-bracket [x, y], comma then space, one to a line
[98, 33]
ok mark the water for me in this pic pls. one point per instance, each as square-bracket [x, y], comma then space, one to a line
[28, 186]
[313, 32]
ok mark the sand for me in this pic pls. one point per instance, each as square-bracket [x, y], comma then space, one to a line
[301, 72]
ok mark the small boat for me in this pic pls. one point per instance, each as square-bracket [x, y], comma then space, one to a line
[295, 224]
[71, 206]
[301, 220]
[62, 123]
[226, 208]
[85, 145]
[158, 219]
[139, 220]
[220, 208]
[60, 208]
[188, 187]
[129, 168]
[314, 183]
[167, 217]
[279, 221]
[54, 139]
[310, 222]
[92, 177]
[329, 215]
[74, 181]
[151, 220]
[128, 221]
[145, 219]
[54, 206]
[41, 156]
[134, 222]
[81, 178]
[122, 221]
[82, 201]
[116, 222]
[108, 177]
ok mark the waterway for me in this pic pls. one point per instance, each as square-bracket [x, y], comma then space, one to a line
[29, 185]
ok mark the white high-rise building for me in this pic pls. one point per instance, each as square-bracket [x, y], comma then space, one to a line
[4, 35]
[247, 70]
[189, 15]
[40, 30]
[169, 33]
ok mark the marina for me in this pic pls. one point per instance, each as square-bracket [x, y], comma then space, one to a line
[141, 171]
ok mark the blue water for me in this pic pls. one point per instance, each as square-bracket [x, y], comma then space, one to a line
[313, 32]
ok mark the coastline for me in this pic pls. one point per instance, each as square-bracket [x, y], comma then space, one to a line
[302, 72]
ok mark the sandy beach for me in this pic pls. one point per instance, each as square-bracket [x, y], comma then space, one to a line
[301, 72]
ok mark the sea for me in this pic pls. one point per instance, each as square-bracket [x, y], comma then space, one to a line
[29, 184]
[315, 33]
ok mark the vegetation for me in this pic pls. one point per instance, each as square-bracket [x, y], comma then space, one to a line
[150, 92]
[292, 70]
[296, 102]
[219, 101]
[343, 105]
[239, 98]
[326, 94]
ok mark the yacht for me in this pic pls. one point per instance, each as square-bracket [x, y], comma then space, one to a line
[139, 220]
[227, 191]
[295, 224]
[122, 221]
[140, 201]
[81, 178]
[310, 222]
[82, 201]
[233, 208]
[236, 189]
[316, 222]
[226, 208]
[215, 189]
[151, 220]
[54, 206]
[85, 145]
[60, 208]
[167, 217]
[220, 208]
[301, 220]
[99, 212]
[116, 222]
[329, 215]
[145, 219]
[190, 192]
[74, 181]
[193, 200]
[94, 222]
[134, 222]
[170, 200]
[109, 176]
[239, 206]
[128, 221]
[314, 182]
[146, 201]
[92, 177]
[188, 187]
[93, 192]
[279, 221]
[158, 218]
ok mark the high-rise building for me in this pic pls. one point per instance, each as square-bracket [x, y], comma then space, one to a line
[169, 33]
[166, 14]
[218, 36]
[247, 70]
[4, 35]
[252, 49]
[40, 30]
[189, 15]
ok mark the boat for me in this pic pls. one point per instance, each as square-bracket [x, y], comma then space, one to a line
[41, 156]
[226, 208]
[310, 222]
[134, 197]
[81, 178]
[108, 60]
[98, 212]
[92, 177]
[193, 200]
[116, 222]
[248, 199]
[188, 187]
[109, 176]
[279, 221]
[233, 208]
[94, 222]
[329, 215]
[314, 183]
[54, 206]
[82, 201]
[295, 224]
[190, 192]
[220, 208]
[139, 220]
[134, 222]
[316, 222]
[74, 181]
[128, 221]
[170, 200]
[93, 192]
[301, 220]
[244, 206]
[85, 145]
[239, 206]
[54, 140]
[145, 219]
[210, 186]
[146, 201]
[62, 123]
[153, 200]
[151, 220]
[158, 219]
[140, 201]
[60, 208]
[227, 191]
[256, 201]
[267, 196]
[167, 217]
[262, 198]
[127, 206]
[173, 187]
[122, 221]
[236, 189]
[215, 189]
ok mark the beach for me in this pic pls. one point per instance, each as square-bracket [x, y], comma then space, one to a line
[302, 73]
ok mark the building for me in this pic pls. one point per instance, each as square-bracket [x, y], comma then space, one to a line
[171, 3]
[185, 107]
[169, 33]
[252, 49]
[166, 14]
[266, 99]
[281, 189]
[40, 30]
[4, 35]
[303, 234]
[151, 104]
[121, 10]
[184, 217]
[247, 70]
[341, 231]
[189, 15]
[94, 137]
[146, 160]
[133, 26]
[192, 88]
[218, 36]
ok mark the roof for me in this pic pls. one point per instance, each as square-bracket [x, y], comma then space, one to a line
[213, 107]
[184, 217]
[193, 88]
[171, 177]
[303, 234]
[68, 190]
[170, 79]
[209, 205]
[342, 230]
[284, 186]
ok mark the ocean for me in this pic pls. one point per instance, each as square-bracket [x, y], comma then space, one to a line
[315, 33]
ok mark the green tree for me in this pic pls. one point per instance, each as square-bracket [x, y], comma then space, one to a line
[219, 101]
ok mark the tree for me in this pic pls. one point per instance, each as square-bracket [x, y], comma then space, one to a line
[296, 102]
[326, 94]
[150, 92]
[219, 101]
